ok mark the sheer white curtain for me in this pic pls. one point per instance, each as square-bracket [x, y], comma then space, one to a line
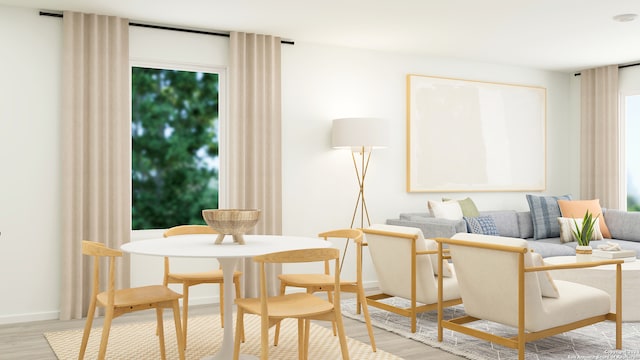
[600, 137]
[96, 149]
[254, 138]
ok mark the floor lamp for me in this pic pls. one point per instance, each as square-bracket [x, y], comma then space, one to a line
[361, 136]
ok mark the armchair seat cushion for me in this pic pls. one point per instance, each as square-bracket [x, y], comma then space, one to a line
[570, 306]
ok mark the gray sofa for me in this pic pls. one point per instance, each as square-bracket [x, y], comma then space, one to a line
[624, 227]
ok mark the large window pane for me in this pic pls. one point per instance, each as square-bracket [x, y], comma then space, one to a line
[174, 129]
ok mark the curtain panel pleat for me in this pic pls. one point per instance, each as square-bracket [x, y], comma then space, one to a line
[600, 166]
[254, 137]
[95, 149]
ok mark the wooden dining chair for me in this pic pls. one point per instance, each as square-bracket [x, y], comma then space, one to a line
[324, 281]
[301, 306]
[122, 301]
[195, 278]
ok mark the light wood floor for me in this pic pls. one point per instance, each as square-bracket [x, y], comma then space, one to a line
[25, 340]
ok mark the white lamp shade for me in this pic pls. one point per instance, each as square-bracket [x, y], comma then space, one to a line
[355, 133]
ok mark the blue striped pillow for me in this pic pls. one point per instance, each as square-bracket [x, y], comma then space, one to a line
[544, 214]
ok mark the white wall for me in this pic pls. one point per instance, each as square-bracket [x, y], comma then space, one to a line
[319, 83]
[29, 164]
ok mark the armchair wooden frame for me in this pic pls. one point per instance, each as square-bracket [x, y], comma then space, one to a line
[196, 278]
[324, 282]
[122, 301]
[414, 309]
[518, 342]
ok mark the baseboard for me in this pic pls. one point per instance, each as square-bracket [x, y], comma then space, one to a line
[22, 318]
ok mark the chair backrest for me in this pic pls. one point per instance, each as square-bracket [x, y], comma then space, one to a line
[488, 270]
[189, 229]
[392, 249]
[98, 250]
[297, 256]
[354, 235]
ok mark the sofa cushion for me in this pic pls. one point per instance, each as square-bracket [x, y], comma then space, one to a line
[481, 225]
[525, 224]
[577, 209]
[552, 247]
[544, 214]
[623, 224]
[506, 222]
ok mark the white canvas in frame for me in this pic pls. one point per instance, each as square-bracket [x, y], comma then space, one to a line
[467, 135]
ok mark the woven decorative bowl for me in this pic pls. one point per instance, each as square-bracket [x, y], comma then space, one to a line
[234, 222]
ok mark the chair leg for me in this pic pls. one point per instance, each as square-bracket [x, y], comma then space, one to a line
[106, 327]
[179, 335]
[185, 312]
[264, 337]
[160, 327]
[236, 282]
[283, 288]
[367, 318]
[307, 335]
[87, 328]
[239, 331]
[301, 339]
[333, 323]
[341, 335]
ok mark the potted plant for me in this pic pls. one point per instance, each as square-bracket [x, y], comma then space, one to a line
[584, 233]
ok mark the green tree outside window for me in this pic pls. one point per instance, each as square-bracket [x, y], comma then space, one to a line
[174, 131]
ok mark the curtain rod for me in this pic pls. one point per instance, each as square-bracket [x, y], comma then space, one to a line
[619, 67]
[162, 27]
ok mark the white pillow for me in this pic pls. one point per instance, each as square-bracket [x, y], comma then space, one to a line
[567, 226]
[547, 286]
[445, 210]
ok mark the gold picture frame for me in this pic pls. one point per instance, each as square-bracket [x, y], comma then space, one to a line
[466, 135]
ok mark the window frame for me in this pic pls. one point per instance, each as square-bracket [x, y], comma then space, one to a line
[221, 71]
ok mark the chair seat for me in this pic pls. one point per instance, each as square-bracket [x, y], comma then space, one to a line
[307, 280]
[140, 295]
[298, 305]
[569, 307]
[213, 276]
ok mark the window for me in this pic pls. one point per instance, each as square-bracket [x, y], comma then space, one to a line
[632, 152]
[174, 133]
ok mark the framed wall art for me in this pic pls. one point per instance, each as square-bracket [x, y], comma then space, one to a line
[465, 135]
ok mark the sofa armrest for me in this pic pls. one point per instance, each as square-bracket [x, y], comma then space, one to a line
[433, 227]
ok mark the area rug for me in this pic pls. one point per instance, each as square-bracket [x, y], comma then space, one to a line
[592, 342]
[138, 341]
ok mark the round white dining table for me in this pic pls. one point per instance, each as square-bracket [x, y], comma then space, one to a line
[228, 253]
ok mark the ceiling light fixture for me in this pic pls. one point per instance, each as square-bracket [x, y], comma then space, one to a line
[625, 17]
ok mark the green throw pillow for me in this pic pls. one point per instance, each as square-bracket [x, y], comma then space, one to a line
[468, 207]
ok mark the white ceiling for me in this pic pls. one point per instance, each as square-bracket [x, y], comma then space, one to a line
[562, 35]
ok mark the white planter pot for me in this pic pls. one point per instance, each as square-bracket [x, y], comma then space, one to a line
[583, 253]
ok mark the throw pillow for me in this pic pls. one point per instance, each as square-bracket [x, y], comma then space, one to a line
[446, 268]
[547, 286]
[445, 210]
[468, 207]
[577, 209]
[567, 226]
[544, 214]
[481, 225]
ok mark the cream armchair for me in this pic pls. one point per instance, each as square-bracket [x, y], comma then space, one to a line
[406, 264]
[501, 281]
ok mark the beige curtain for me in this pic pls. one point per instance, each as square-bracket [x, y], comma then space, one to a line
[96, 149]
[600, 137]
[254, 137]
